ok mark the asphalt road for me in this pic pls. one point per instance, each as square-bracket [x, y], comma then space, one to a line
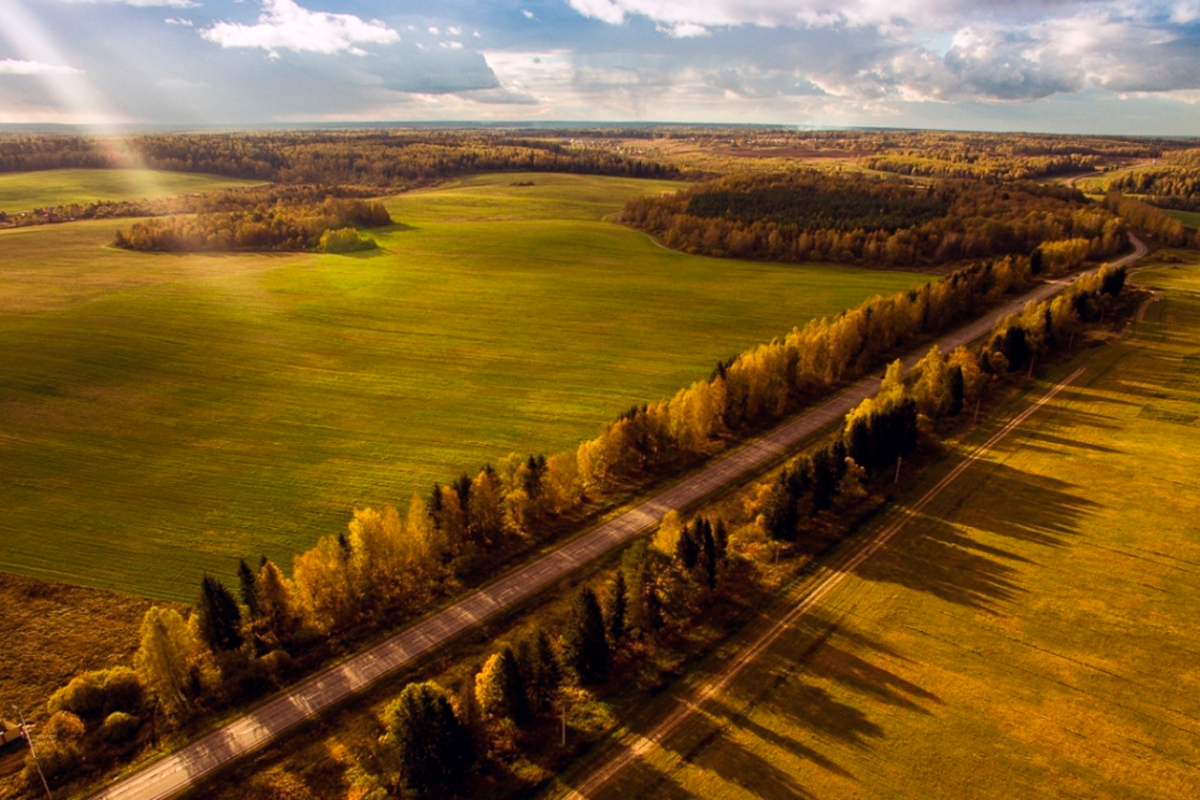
[273, 719]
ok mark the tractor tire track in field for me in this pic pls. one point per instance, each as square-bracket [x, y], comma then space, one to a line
[643, 744]
[280, 714]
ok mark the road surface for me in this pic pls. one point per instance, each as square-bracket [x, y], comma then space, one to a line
[270, 721]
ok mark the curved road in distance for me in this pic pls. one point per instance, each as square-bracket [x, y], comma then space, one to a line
[178, 771]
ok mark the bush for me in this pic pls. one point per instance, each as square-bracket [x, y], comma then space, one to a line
[119, 727]
[83, 696]
[65, 727]
[345, 240]
[123, 691]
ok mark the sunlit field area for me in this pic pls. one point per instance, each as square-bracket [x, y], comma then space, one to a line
[1028, 633]
[166, 414]
[25, 191]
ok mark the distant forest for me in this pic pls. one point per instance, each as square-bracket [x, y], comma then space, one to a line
[371, 158]
[848, 218]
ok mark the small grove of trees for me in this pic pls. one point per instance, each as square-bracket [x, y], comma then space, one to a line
[330, 226]
[887, 223]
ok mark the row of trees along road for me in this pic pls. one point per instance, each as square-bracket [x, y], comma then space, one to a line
[386, 568]
[666, 584]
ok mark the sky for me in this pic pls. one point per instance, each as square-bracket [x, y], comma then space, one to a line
[1104, 66]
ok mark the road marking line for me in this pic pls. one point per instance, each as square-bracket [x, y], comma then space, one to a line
[643, 744]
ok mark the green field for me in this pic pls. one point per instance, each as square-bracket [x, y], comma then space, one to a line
[1189, 218]
[1030, 634]
[165, 415]
[25, 191]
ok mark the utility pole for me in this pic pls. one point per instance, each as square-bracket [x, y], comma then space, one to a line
[977, 402]
[28, 737]
[899, 460]
[1032, 361]
[564, 723]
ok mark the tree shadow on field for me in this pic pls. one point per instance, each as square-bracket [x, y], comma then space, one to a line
[1035, 508]
[639, 779]
[1074, 394]
[935, 558]
[931, 555]
[752, 773]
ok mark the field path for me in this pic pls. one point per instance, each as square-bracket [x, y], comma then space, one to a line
[178, 771]
[810, 596]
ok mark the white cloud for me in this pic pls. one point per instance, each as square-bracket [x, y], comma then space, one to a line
[11, 66]
[178, 21]
[283, 25]
[528, 14]
[454, 30]
[434, 31]
[451, 45]
[1183, 13]
[684, 30]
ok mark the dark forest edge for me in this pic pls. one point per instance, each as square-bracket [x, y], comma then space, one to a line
[810, 216]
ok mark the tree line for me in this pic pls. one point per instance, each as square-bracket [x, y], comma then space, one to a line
[329, 226]
[375, 158]
[979, 221]
[666, 583]
[1151, 219]
[984, 166]
[240, 643]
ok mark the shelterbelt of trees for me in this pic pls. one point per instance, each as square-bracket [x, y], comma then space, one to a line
[376, 158]
[430, 740]
[330, 226]
[893, 224]
[621, 629]
[388, 568]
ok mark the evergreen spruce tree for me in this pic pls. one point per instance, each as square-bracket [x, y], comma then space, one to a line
[721, 539]
[432, 748]
[708, 554]
[825, 480]
[220, 617]
[615, 603]
[585, 648]
[687, 550]
[957, 390]
[248, 588]
[546, 675]
[779, 514]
